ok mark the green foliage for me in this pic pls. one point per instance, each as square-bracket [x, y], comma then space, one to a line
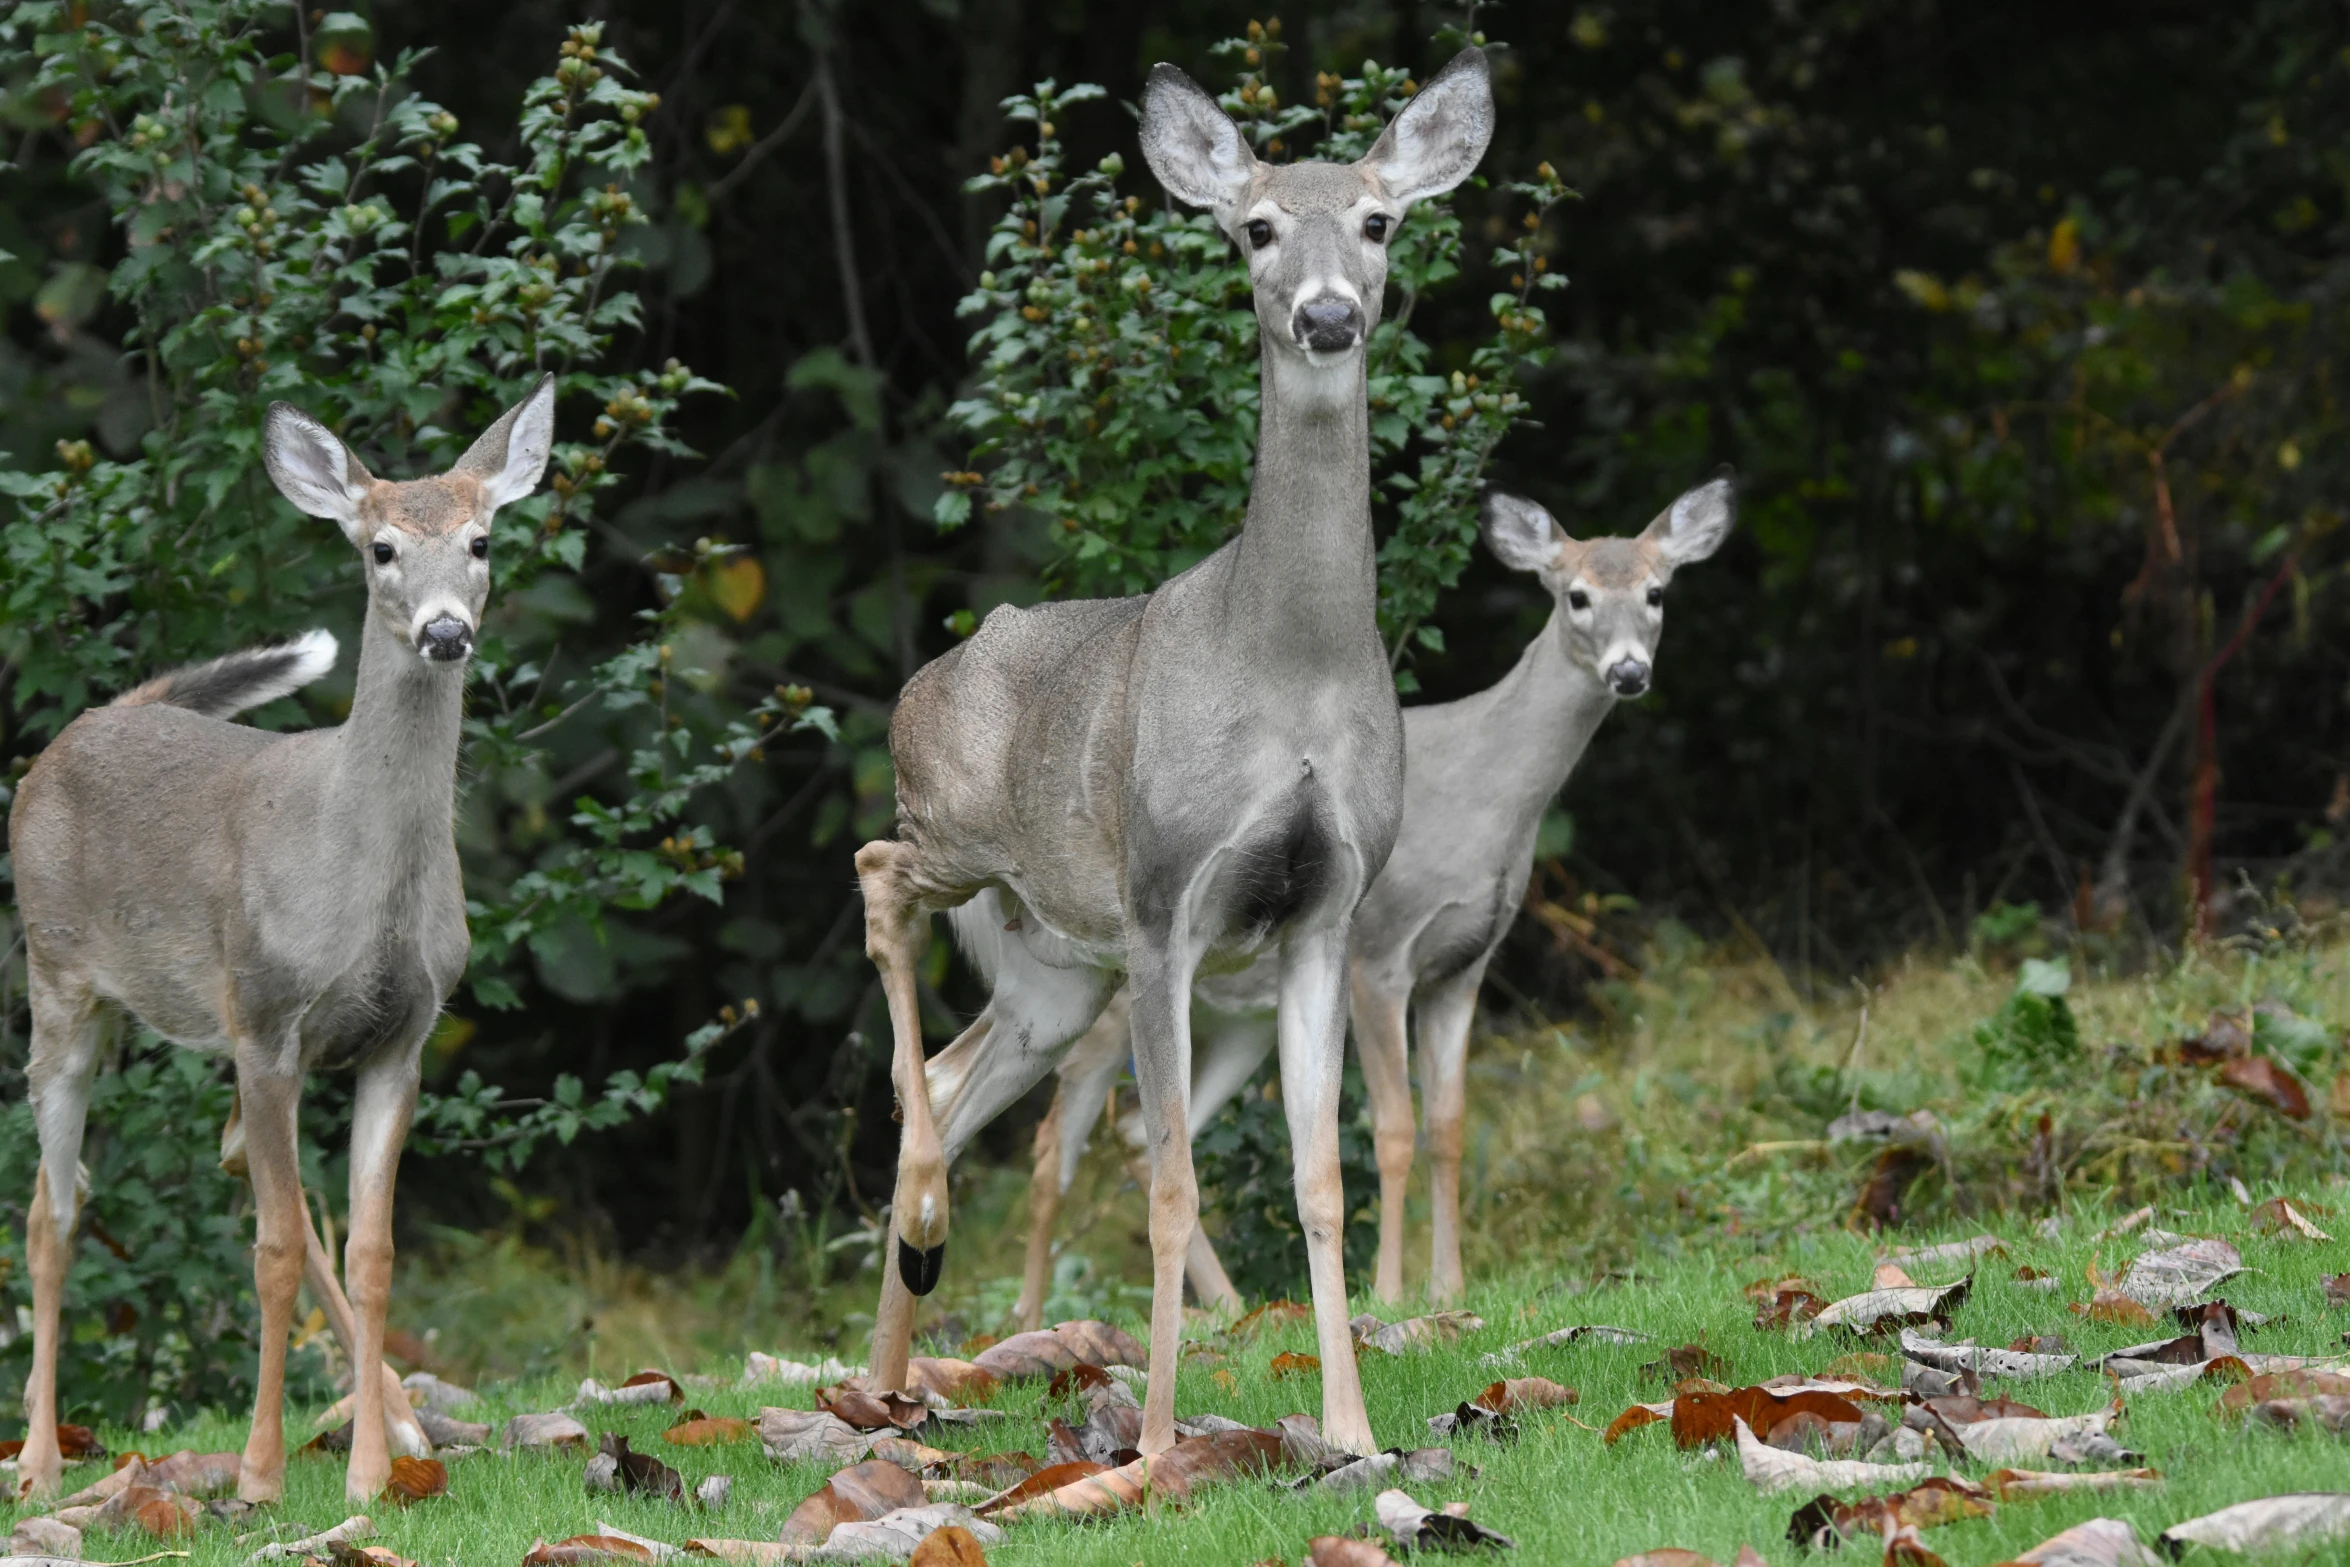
[1117, 397]
[2004, 925]
[2033, 1037]
[1244, 1165]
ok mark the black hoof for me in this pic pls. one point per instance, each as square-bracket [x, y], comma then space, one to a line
[920, 1268]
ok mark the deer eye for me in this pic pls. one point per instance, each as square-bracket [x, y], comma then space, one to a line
[1260, 233]
[384, 554]
[1656, 596]
[1578, 599]
[481, 549]
[1375, 228]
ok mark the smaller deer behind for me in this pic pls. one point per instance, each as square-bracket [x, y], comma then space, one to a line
[290, 901]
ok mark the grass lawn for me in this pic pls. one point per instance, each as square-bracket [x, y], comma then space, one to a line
[1558, 1490]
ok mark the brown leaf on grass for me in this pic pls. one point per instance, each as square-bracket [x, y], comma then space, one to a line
[1690, 1360]
[1903, 1548]
[1965, 1409]
[196, 1474]
[2010, 1484]
[1057, 1348]
[2281, 1384]
[1634, 1418]
[2111, 1305]
[1512, 1394]
[1891, 1276]
[1881, 1311]
[2283, 1216]
[1866, 1366]
[583, 1548]
[1272, 1314]
[72, 1442]
[2180, 1275]
[1668, 1556]
[1418, 1528]
[760, 1553]
[1824, 1523]
[1046, 1480]
[549, 1430]
[1170, 1476]
[859, 1494]
[1222, 1376]
[641, 1474]
[1413, 1333]
[1700, 1418]
[344, 1554]
[2336, 1287]
[953, 1546]
[1079, 1378]
[872, 1411]
[957, 1381]
[166, 1515]
[2269, 1081]
[1763, 1291]
[709, 1431]
[2273, 1523]
[1770, 1469]
[414, 1480]
[2101, 1542]
[1344, 1550]
[1896, 1169]
[1286, 1366]
[1788, 1308]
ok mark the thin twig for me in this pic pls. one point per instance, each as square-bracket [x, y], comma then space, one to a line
[766, 144]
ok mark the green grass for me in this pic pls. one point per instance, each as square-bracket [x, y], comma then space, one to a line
[1563, 1495]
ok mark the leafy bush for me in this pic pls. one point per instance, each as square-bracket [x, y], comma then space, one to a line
[2033, 1037]
[1248, 1179]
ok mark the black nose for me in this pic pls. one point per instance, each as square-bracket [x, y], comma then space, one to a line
[446, 640]
[1628, 677]
[1328, 325]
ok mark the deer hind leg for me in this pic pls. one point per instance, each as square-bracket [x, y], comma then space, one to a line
[1379, 1005]
[69, 1027]
[401, 1428]
[1313, 1057]
[1445, 1012]
[897, 929]
[380, 1113]
[269, 1087]
[1086, 1077]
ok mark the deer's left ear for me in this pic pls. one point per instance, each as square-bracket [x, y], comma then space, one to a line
[1435, 143]
[1521, 534]
[510, 456]
[1694, 526]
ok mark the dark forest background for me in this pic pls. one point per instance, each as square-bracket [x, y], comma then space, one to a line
[2017, 322]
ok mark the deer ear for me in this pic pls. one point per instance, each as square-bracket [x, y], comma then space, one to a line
[1694, 526]
[1191, 144]
[311, 467]
[1435, 143]
[510, 456]
[1521, 534]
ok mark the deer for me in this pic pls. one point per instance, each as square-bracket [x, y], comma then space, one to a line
[1141, 789]
[1478, 774]
[292, 902]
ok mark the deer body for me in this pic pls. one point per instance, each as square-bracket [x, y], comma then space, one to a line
[1478, 774]
[1188, 781]
[290, 901]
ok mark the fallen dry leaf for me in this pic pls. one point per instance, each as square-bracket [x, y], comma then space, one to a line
[2336, 1287]
[759, 1553]
[1418, 1528]
[2010, 1483]
[2274, 1523]
[415, 1480]
[1689, 1360]
[2181, 1275]
[641, 1474]
[872, 1411]
[356, 1527]
[1171, 1475]
[1699, 1418]
[957, 1381]
[1965, 1409]
[343, 1554]
[2282, 1216]
[952, 1546]
[1414, 1333]
[1824, 1523]
[2330, 1410]
[1272, 1314]
[646, 1387]
[1045, 1481]
[2101, 1542]
[72, 1442]
[1863, 1366]
[195, 1474]
[2111, 1305]
[1771, 1469]
[1286, 1366]
[1634, 1418]
[1969, 1251]
[1341, 1550]
[869, 1490]
[798, 1435]
[1880, 1311]
[1057, 1348]
[2282, 1384]
[1788, 1308]
[2007, 1440]
[1512, 1394]
[1892, 1276]
[2269, 1081]
[581, 1548]
[549, 1430]
[709, 1431]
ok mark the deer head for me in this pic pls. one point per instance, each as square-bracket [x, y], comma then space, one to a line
[1316, 234]
[1611, 592]
[424, 543]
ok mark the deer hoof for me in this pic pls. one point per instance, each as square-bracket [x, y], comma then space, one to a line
[920, 1268]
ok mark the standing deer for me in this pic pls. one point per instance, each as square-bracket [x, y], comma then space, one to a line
[1157, 785]
[291, 901]
[1477, 775]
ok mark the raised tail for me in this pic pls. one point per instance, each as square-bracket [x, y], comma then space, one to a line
[229, 685]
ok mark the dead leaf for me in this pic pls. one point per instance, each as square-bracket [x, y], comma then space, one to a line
[1823, 1523]
[1634, 1418]
[952, 1546]
[2269, 1081]
[1289, 1365]
[1865, 1366]
[1965, 1409]
[1418, 1528]
[1512, 1394]
[2282, 1216]
[1880, 1311]
[872, 1411]
[1048, 1350]
[709, 1431]
[1771, 1469]
[2101, 1542]
[798, 1435]
[2007, 1484]
[2004, 1441]
[196, 1474]
[646, 1387]
[1969, 1251]
[549, 1430]
[1699, 1418]
[2111, 1305]
[1690, 1360]
[1763, 1290]
[582, 1548]
[1597, 1332]
[1788, 1308]
[1170, 1476]
[2274, 1523]
[2336, 1287]
[869, 1490]
[72, 1442]
[1890, 1179]
[2329, 1410]
[1045, 1481]
[957, 1381]
[1272, 1314]
[641, 1474]
[760, 1553]
[343, 1554]
[415, 1480]
[2282, 1384]
[2181, 1275]
[1891, 1276]
[1414, 1333]
[1341, 1550]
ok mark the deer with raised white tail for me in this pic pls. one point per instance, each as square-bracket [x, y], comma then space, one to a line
[1148, 787]
[1477, 775]
[291, 901]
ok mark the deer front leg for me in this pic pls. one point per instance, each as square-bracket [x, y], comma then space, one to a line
[66, 1037]
[1379, 1004]
[896, 931]
[1160, 985]
[1445, 1014]
[1313, 1057]
[41, 1466]
[382, 1107]
[401, 1428]
[268, 1092]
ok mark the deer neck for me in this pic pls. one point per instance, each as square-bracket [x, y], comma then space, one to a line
[1542, 715]
[393, 788]
[1306, 589]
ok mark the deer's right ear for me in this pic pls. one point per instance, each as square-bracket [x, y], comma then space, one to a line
[1191, 144]
[311, 467]
[1435, 141]
[1521, 534]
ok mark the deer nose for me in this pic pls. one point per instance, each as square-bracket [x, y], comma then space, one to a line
[1328, 324]
[1628, 677]
[445, 640]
